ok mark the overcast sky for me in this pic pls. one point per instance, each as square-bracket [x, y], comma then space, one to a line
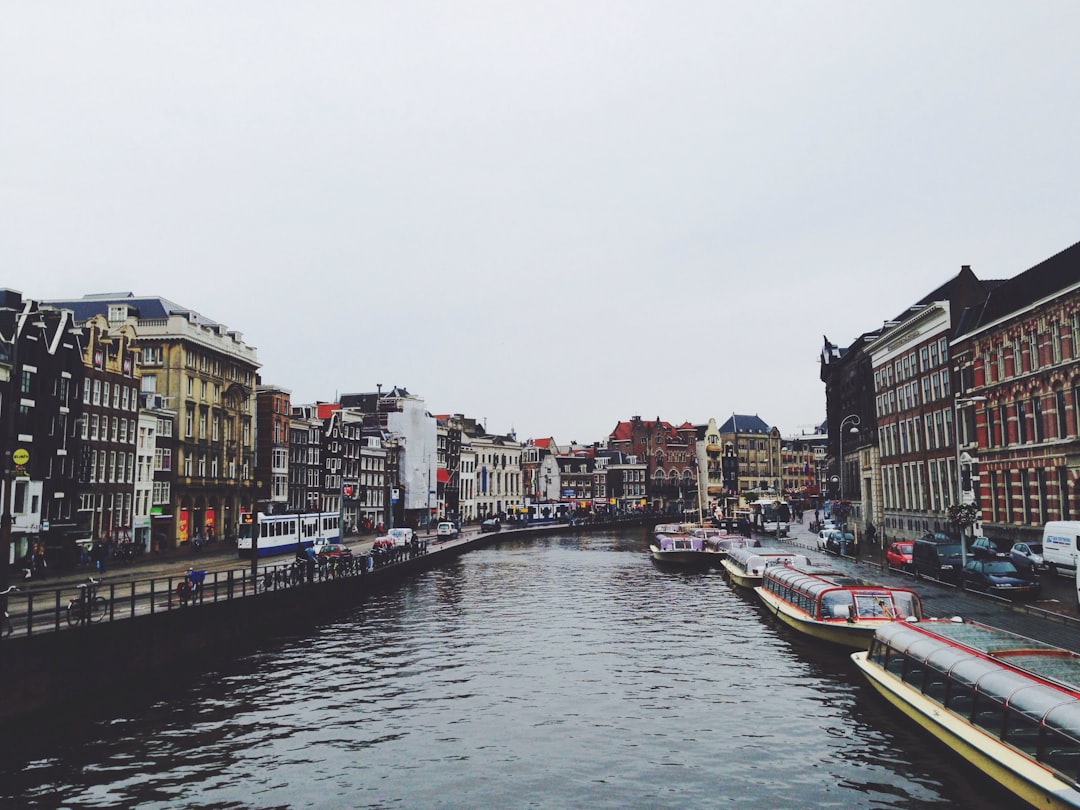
[549, 215]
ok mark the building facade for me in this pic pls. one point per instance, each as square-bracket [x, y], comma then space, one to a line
[207, 374]
[1018, 382]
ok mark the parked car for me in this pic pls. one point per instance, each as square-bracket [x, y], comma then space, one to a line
[332, 551]
[899, 553]
[1000, 577]
[823, 537]
[1029, 556]
[984, 548]
[937, 557]
[840, 542]
[446, 529]
[490, 525]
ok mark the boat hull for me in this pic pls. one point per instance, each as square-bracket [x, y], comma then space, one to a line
[699, 558]
[850, 635]
[1030, 781]
[740, 577]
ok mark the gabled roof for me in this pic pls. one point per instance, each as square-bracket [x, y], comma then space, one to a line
[741, 423]
[152, 307]
[1044, 280]
[625, 430]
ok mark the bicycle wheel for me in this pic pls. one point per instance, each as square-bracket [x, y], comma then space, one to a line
[99, 609]
[74, 613]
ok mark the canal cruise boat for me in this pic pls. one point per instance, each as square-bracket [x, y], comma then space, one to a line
[684, 549]
[1005, 703]
[746, 566]
[832, 606]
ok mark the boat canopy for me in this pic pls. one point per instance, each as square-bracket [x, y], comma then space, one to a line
[1035, 690]
[680, 543]
[834, 595]
[756, 560]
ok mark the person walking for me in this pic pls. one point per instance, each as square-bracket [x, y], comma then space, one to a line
[40, 566]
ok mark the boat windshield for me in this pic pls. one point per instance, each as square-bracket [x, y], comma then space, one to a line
[887, 604]
[837, 604]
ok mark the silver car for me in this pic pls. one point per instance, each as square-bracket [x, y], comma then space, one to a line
[1028, 556]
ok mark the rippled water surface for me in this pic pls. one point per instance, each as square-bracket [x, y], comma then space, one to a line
[550, 672]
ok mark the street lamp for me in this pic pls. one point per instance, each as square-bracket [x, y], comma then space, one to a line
[854, 419]
[959, 479]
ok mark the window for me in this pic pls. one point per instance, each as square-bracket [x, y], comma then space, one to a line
[1059, 404]
[97, 392]
[116, 396]
[105, 389]
[1021, 422]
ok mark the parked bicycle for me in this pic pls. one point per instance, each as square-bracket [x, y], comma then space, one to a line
[6, 628]
[87, 606]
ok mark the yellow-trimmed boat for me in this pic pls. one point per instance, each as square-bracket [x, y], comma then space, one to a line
[832, 606]
[746, 566]
[1007, 704]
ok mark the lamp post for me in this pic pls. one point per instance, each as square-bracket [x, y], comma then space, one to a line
[959, 479]
[854, 419]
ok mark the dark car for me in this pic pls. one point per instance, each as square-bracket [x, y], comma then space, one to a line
[899, 555]
[1028, 556]
[840, 542]
[984, 548]
[490, 525]
[1000, 577]
[939, 558]
[334, 551]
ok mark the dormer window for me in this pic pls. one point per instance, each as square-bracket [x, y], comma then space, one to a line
[117, 313]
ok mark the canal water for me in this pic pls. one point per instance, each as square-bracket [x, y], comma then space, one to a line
[549, 672]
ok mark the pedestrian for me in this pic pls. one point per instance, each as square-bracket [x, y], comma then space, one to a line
[100, 556]
[40, 568]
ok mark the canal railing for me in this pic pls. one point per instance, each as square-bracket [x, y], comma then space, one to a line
[73, 605]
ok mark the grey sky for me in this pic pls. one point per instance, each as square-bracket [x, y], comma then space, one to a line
[552, 215]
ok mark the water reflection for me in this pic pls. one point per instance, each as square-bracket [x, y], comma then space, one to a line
[565, 671]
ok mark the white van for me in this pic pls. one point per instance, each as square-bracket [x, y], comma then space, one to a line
[1060, 546]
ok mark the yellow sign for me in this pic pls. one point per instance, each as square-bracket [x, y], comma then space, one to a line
[20, 456]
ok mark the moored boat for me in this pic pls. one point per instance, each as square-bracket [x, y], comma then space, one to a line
[684, 549]
[832, 606]
[1005, 703]
[746, 566]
